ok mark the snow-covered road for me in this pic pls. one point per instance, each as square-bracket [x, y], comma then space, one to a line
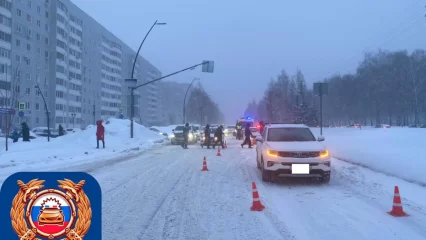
[163, 194]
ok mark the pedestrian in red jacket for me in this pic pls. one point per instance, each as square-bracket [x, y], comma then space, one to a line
[100, 133]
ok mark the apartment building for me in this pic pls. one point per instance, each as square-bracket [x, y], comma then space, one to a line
[78, 64]
[5, 59]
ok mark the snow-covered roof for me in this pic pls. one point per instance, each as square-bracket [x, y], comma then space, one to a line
[279, 125]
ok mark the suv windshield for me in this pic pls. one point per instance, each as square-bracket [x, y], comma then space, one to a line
[195, 128]
[290, 135]
[231, 127]
[179, 128]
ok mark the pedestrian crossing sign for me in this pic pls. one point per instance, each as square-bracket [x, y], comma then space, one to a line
[21, 106]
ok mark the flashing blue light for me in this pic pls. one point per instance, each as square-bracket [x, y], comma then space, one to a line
[248, 118]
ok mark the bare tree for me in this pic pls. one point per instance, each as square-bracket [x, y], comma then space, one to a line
[11, 101]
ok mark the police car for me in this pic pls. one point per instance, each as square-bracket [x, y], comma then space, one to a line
[291, 150]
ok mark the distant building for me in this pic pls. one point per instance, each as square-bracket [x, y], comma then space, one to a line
[79, 65]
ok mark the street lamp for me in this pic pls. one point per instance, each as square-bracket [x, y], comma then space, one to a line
[184, 100]
[207, 66]
[132, 113]
[47, 111]
[73, 120]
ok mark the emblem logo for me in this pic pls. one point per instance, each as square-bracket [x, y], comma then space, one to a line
[51, 213]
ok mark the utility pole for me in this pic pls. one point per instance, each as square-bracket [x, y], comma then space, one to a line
[320, 89]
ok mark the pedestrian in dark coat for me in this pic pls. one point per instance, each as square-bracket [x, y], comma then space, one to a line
[61, 130]
[100, 133]
[219, 137]
[15, 136]
[185, 136]
[247, 134]
[207, 136]
[25, 132]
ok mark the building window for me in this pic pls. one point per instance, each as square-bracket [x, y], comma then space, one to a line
[28, 47]
[19, 12]
[5, 37]
[5, 20]
[38, 9]
[59, 94]
[18, 28]
[46, 27]
[28, 91]
[6, 4]
[28, 76]
[18, 58]
[38, 51]
[27, 105]
[4, 53]
[27, 60]
[37, 106]
[47, 14]
[29, 18]
[38, 36]
[46, 41]
[37, 120]
[38, 23]
[18, 42]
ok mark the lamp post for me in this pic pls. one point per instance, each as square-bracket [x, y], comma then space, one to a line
[184, 100]
[132, 94]
[73, 120]
[47, 111]
[208, 66]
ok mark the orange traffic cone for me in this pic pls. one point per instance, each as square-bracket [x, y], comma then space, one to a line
[397, 210]
[218, 152]
[257, 205]
[204, 165]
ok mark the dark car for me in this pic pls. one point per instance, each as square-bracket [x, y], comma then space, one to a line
[212, 137]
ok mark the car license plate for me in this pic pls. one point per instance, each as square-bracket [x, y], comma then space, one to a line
[300, 169]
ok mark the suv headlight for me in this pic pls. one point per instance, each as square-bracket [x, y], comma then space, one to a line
[190, 135]
[272, 153]
[324, 154]
[172, 135]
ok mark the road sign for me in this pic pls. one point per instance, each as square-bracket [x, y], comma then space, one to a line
[21, 106]
[7, 111]
[21, 114]
[121, 116]
[320, 89]
[208, 66]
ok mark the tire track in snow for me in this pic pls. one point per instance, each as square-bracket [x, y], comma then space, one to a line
[254, 177]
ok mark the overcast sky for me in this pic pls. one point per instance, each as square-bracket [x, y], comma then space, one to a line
[252, 41]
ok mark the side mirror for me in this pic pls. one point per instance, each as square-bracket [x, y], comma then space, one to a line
[321, 139]
[259, 139]
[173, 130]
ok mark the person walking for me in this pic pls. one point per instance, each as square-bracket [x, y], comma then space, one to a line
[15, 136]
[185, 136]
[219, 137]
[61, 130]
[207, 136]
[239, 131]
[100, 133]
[25, 132]
[247, 134]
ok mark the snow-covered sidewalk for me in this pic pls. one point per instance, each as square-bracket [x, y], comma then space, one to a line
[398, 152]
[75, 148]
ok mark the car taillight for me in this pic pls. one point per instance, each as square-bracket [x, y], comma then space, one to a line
[272, 153]
[324, 154]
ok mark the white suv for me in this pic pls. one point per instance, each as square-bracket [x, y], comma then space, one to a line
[291, 150]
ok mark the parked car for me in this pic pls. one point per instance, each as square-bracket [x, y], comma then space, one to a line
[291, 150]
[383, 126]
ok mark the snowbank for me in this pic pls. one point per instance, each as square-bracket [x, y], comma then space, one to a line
[166, 129]
[75, 148]
[396, 151]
